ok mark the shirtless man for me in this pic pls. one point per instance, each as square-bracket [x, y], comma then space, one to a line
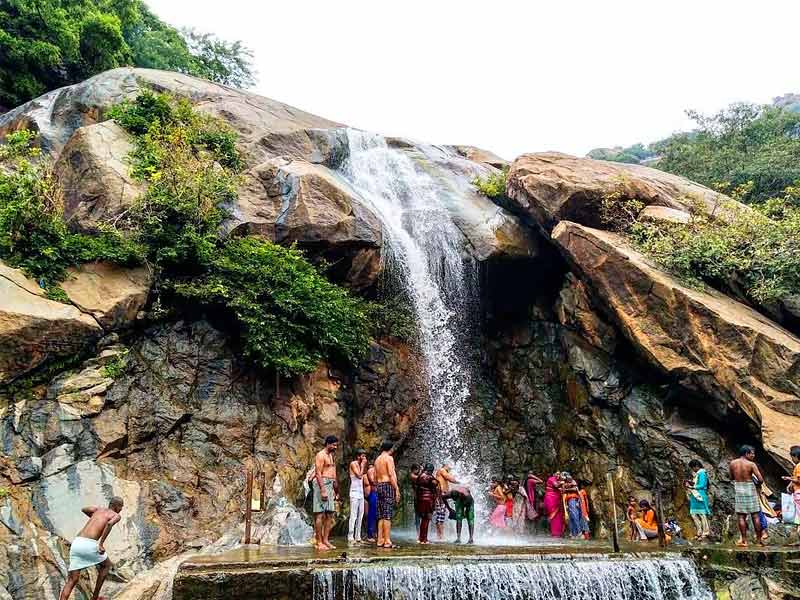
[745, 475]
[388, 493]
[87, 548]
[464, 509]
[326, 492]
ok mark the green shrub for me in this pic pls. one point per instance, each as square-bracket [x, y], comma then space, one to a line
[290, 316]
[493, 185]
[752, 251]
[33, 234]
[115, 367]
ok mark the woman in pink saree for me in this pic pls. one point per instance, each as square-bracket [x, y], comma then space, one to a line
[554, 505]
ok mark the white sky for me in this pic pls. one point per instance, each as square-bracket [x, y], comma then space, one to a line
[510, 76]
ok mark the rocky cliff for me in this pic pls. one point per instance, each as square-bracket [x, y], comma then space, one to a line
[588, 357]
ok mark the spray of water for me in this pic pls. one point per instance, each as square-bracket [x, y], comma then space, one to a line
[651, 579]
[429, 251]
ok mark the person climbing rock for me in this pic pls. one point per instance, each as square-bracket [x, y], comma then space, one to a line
[388, 493]
[745, 475]
[326, 492]
[88, 549]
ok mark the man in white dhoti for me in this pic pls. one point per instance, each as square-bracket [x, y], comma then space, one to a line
[87, 548]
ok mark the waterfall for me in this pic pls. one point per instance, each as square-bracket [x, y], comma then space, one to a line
[429, 251]
[603, 579]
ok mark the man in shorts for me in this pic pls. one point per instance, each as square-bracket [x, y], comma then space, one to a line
[464, 509]
[388, 493]
[745, 475]
[326, 492]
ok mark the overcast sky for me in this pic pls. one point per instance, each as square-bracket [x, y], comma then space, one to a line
[511, 76]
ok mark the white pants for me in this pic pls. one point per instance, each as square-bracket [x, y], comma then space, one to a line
[701, 524]
[356, 517]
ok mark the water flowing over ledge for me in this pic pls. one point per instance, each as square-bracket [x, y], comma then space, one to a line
[639, 579]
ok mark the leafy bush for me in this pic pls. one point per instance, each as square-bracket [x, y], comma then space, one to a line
[290, 316]
[33, 234]
[493, 185]
[755, 251]
[115, 367]
[744, 143]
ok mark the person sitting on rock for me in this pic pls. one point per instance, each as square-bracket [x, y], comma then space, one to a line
[647, 524]
[88, 549]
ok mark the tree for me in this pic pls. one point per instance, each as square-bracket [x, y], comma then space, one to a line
[743, 143]
[45, 44]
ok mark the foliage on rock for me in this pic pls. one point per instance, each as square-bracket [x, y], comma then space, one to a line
[755, 249]
[33, 233]
[493, 185]
[46, 44]
[290, 316]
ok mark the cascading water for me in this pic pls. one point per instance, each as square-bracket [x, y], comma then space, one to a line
[645, 579]
[430, 252]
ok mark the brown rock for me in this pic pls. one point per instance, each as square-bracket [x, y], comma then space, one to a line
[664, 214]
[33, 328]
[111, 294]
[574, 310]
[553, 187]
[480, 155]
[708, 342]
[95, 176]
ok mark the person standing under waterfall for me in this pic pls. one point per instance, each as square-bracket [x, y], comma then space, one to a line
[699, 507]
[445, 478]
[372, 504]
[388, 493]
[794, 484]
[326, 492]
[358, 469]
[426, 491]
[746, 475]
[464, 509]
[87, 548]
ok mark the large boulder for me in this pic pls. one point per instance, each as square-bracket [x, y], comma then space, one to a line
[739, 361]
[550, 187]
[111, 294]
[295, 201]
[34, 328]
[94, 174]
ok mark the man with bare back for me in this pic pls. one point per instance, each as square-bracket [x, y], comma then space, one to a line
[87, 548]
[746, 476]
[388, 493]
[326, 492]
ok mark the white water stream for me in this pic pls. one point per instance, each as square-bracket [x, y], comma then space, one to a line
[580, 579]
[429, 251]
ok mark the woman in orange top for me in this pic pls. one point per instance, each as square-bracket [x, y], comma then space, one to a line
[794, 484]
[647, 524]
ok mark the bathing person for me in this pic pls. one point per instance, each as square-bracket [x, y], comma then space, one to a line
[464, 509]
[584, 496]
[794, 483]
[372, 503]
[388, 493]
[632, 510]
[498, 494]
[569, 488]
[444, 477]
[554, 505]
[358, 469]
[699, 508]
[509, 483]
[326, 492]
[413, 477]
[88, 548]
[647, 525]
[745, 475]
[425, 493]
[531, 481]
[519, 508]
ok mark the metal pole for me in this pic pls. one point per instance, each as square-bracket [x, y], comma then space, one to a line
[248, 509]
[614, 533]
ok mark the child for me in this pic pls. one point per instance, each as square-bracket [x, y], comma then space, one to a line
[633, 508]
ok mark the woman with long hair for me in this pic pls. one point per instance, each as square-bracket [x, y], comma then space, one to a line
[554, 505]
